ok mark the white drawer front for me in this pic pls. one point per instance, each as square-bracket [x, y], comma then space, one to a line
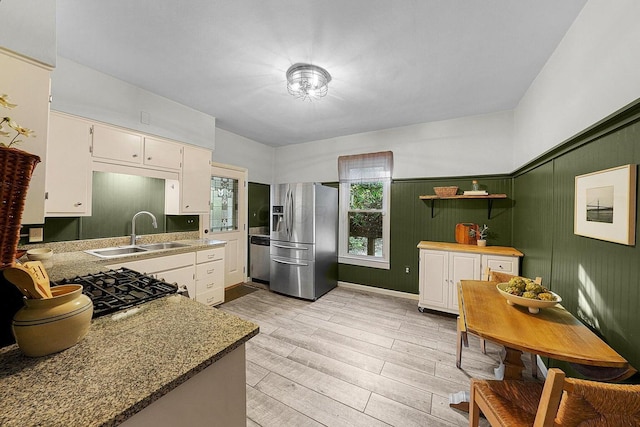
[210, 271]
[213, 297]
[504, 264]
[210, 255]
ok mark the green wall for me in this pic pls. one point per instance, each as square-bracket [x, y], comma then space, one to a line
[599, 281]
[411, 222]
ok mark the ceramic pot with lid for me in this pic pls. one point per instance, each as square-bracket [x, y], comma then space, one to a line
[49, 325]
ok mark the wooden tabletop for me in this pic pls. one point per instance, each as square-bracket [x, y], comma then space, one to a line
[459, 247]
[553, 332]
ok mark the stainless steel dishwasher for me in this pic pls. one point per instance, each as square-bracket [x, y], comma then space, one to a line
[259, 258]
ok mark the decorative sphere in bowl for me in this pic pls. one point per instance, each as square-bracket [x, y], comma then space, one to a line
[534, 305]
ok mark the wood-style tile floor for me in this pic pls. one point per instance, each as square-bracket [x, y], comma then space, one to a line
[354, 358]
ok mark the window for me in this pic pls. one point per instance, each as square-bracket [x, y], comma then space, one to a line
[224, 204]
[365, 185]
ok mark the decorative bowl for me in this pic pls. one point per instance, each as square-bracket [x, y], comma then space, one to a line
[534, 305]
[39, 254]
[445, 191]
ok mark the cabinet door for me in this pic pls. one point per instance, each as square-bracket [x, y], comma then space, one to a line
[27, 84]
[195, 188]
[181, 276]
[116, 144]
[162, 154]
[68, 184]
[159, 263]
[463, 266]
[433, 281]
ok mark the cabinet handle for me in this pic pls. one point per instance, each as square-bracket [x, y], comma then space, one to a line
[210, 300]
[148, 158]
[78, 204]
[135, 155]
[187, 207]
[210, 285]
[211, 271]
[211, 256]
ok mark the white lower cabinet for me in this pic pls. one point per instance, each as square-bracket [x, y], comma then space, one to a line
[202, 272]
[210, 276]
[179, 269]
[441, 270]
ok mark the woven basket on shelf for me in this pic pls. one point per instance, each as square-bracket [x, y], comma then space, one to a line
[445, 191]
[16, 167]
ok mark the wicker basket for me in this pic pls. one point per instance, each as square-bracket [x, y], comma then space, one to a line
[445, 191]
[16, 167]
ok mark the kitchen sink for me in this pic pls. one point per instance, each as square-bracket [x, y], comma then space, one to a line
[165, 245]
[121, 251]
[113, 252]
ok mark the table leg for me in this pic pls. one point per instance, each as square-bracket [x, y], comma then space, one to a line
[513, 366]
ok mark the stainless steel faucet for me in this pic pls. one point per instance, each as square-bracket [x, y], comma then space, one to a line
[133, 224]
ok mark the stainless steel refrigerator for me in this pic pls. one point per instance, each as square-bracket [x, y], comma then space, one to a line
[304, 239]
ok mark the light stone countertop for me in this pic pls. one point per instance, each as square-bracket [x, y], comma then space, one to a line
[70, 260]
[122, 365]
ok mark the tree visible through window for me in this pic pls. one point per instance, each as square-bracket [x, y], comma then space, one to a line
[365, 182]
[365, 219]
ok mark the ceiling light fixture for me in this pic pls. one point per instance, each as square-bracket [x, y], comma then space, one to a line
[307, 81]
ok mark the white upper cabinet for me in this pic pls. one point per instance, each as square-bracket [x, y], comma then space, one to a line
[195, 191]
[111, 143]
[69, 174]
[162, 154]
[27, 83]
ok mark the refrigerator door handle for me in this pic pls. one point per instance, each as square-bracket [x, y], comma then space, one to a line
[286, 213]
[301, 264]
[290, 215]
[275, 245]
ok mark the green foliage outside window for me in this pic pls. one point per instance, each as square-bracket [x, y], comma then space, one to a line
[365, 219]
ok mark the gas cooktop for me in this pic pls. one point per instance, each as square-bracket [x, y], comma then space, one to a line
[116, 290]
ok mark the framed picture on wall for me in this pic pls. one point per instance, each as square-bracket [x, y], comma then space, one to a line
[605, 205]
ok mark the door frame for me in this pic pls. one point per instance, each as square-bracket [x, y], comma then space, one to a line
[241, 174]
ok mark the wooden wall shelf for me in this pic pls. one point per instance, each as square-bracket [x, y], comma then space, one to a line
[488, 197]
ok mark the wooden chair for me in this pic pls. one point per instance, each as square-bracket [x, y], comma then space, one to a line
[559, 402]
[461, 329]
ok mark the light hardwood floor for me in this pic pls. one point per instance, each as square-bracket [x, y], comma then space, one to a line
[354, 358]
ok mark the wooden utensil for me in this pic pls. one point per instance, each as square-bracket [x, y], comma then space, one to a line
[42, 278]
[24, 280]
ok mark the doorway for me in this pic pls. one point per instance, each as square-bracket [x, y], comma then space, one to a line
[227, 219]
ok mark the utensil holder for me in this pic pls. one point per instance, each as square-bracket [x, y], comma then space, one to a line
[49, 325]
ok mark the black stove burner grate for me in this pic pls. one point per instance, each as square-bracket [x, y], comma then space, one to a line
[116, 290]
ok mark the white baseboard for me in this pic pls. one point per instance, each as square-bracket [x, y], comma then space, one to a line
[378, 290]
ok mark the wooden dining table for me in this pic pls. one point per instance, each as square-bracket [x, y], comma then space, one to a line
[552, 332]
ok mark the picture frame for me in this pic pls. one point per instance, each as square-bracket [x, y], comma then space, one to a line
[605, 205]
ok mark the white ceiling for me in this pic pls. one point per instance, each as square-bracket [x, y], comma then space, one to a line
[393, 62]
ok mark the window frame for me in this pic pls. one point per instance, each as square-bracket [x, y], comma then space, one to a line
[344, 257]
